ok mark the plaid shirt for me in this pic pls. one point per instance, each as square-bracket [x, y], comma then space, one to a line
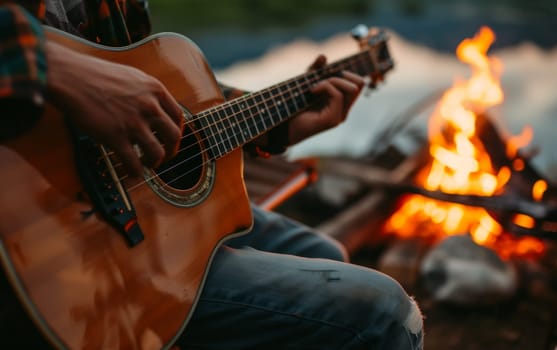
[22, 56]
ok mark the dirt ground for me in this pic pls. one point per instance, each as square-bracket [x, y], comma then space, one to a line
[526, 322]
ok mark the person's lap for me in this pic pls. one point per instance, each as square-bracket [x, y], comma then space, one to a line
[284, 286]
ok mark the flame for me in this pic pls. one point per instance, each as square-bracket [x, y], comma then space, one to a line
[459, 163]
[539, 189]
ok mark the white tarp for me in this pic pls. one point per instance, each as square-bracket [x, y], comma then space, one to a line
[529, 81]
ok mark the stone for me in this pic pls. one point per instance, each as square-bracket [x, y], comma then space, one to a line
[458, 270]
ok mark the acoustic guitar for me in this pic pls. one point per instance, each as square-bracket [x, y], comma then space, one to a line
[99, 260]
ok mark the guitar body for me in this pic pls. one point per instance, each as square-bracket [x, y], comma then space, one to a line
[80, 281]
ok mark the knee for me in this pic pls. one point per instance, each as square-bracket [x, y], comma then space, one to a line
[395, 320]
[406, 329]
[413, 323]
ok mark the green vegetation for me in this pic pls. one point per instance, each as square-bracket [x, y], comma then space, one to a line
[190, 16]
[198, 15]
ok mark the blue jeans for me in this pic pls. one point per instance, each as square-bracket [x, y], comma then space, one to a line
[283, 286]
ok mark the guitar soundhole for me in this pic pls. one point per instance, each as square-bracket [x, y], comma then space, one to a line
[183, 171]
[187, 179]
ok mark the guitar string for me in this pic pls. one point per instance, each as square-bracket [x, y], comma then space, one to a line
[204, 115]
[232, 139]
[260, 120]
[223, 142]
[300, 84]
[180, 176]
[303, 88]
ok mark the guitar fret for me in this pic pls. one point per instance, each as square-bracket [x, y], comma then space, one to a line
[241, 120]
[306, 95]
[254, 114]
[313, 77]
[265, 113]
[210, 139]
[299, 97]
[201, 124]
[261, 112]
[282, 113]
[266, 109]
[230, 123]
[284, 99]
[221, 133]
[217, 146]
[225, 130]
[289, 97]
[272, 107]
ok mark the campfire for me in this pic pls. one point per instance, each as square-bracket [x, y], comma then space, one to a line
[463, 220]
[459, 163]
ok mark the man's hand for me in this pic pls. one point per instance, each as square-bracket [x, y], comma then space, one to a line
[336, 95]
[119, 106]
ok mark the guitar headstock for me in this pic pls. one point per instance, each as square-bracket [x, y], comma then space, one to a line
[374, 41]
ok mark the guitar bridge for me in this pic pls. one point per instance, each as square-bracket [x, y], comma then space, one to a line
[104, 188]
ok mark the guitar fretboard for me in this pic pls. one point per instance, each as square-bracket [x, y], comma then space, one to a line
[233, 124]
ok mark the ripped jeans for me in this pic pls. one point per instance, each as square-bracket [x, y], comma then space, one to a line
[283, 286]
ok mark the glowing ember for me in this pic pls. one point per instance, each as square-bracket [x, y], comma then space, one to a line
[459, 163]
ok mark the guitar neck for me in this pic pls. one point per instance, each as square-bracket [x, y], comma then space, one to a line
[231, 125]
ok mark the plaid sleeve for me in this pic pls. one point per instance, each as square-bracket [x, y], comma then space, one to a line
[138, 19]
[22, 66]
[117, 22]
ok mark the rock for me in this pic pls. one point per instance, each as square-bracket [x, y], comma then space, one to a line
[460, 271]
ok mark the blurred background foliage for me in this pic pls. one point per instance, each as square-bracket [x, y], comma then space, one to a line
[199, 15]
[232, 30]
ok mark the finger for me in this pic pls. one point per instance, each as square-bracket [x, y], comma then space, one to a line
[344, 85]
[129, 157]
[331, 114]
[319, 62]
[355, 78]
[150, 146]
[171, 107]
[349, 91]
[337, 88]
[168, 133]
[152, 151]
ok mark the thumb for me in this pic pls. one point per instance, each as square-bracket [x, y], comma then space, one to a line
[319, 62]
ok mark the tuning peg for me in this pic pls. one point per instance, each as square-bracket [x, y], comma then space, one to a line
[360, 32]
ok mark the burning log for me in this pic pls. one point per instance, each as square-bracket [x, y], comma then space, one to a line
[526, 186]
[475, 189]
[475, 182]
[468, 193]
[512, 202]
